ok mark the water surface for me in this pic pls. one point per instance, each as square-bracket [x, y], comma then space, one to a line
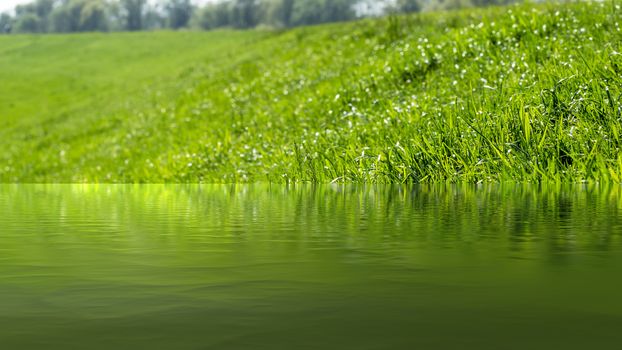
[310, 267]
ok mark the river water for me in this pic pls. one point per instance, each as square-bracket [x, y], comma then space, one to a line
[310, 267]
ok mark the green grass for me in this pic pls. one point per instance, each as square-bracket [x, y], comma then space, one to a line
[526, 93]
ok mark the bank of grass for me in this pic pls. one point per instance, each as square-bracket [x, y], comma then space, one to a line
[524, 93]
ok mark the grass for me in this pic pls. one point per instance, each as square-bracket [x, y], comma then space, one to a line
[526, 93]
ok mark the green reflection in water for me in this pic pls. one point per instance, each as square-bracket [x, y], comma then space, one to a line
[343, 267]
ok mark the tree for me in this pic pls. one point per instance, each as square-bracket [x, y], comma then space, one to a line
[408, 6]
[306, 12]
[44, 8]
[244, 13]
[60, 20]
[93, 16]
[6, 23]
[28, 23]
[153, 18]
[215, 15]
[287, 11]
[277, 12]
[34, 17]
[133, 13]
[321, 11]
[179, 13]
[80, 16]
[338, 10]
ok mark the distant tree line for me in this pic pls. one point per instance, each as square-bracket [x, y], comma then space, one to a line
[64, 16]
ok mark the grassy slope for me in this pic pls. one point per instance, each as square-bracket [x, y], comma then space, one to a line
[522, 93]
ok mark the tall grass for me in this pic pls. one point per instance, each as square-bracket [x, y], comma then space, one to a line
[524, 93]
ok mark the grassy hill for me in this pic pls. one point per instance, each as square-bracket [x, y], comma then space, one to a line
[523, 93]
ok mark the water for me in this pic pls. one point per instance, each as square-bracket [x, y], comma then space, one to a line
[310, 267]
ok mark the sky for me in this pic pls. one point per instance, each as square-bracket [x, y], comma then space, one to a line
[9, 5]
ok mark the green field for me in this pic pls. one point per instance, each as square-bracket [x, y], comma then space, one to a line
[525, 93]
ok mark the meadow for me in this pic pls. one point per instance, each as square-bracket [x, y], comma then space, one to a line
[526, 93]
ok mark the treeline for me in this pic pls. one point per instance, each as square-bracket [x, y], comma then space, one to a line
[63, 16]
